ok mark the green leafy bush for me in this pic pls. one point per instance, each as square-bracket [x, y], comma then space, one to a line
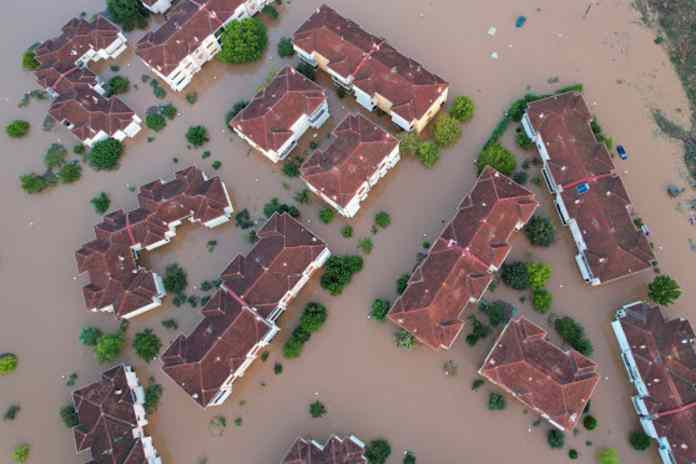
[236, 108]
[313, 317]
[70, 173]
[175, 279]
[574, 334]
[541, 300]
[338, 272]
[520, 177]
[402, 283]
[285, 48]
[243, 41]
[347, 231]
[20, 455]
[462, 109]
[327, 215]
[89, 336]
[379, 309]
[522, 140]
[153, 395]
[275, 206]
[498, 312]
[365, 245]
[556, 438]
[17, 129]
[270, 11]
[292, 348]
[109, 347]
[147, 345]
[129, 14]
[317, 409]
[55, 156]
[498, 157]
[539, 274]
[446, 130]
[428, 153]
[383, 219]
[409, 143]
[69, 416]
[496, 402]
[29, 61]
[155, 121]
[307, 70]
[377, 451]
[540, 231]
[8, 363]
[101, 203]
[404, 340]
[118, 85]
[478, 331]
[33, 183]
[589, 422]
[169, 111]
[409, 458]
[639, 440]
[105, 155]
[608, 456]
[664, 290]
[291, 167]
[515, 275]
[197, 135]
[572, 454]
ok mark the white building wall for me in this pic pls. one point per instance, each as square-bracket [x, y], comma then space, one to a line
[159, 7]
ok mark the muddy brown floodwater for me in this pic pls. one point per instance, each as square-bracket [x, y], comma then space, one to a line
[370, 388]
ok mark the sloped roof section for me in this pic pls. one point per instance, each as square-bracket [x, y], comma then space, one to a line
[358, 148]
[336, 450]
[458, 267]
[551, 381]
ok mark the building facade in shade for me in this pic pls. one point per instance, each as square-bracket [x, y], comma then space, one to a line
[112, 418]
[336, 450]
[590, 197]
[118, 282]
[660, 360]
[460, 264]
[360, 154]
[240, 319]
[279, 115]
[374, 72]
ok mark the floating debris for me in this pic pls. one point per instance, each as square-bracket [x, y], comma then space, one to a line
[520, 21]
[491, 31]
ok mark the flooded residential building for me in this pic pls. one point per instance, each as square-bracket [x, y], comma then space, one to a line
[589, 196]
[118, 283]
[111, 420]
[336, 450]
[554, 383]
[178, 49]
[660, 360]
[360, 154]
[239, 320]
[281, 113]
[157, 6]
[460, 264]
[378, 75]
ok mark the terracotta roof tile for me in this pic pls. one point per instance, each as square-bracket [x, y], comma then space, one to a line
[335, 451]
[457, 268]
[551, 381]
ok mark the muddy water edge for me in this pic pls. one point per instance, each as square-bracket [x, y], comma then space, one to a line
[368, 386]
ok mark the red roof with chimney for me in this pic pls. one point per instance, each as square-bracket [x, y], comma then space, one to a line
[666, 360]
[377, 67]
[107, 419]
[564, 124]
[457, 268]
[358, 148]
[547, 379]
[115, 276]
[188, 24]
[284, 250]
[269, 118]
[615, 247]
[335, 451]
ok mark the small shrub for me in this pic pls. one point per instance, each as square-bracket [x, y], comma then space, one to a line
[498, 312]
[496, 402]
[402, 283]
[404, 340]
[347, 231]
[317, 409]
[477, 383]
[589, 422]
[105, 155]
[275, 206]
[379, 309]
[277, 368]
[377, 451]
[572, 454]
[446, 131]
[608, 456]
[217, 164]
[520, 177]
[29, 61]
[574, 334]
[129, 14]
[55, 156]
[285, 48]
[89, 336]
[270, 11]
[428, 153]
[338, 272]
[540, 231]
[192, 98]
[101, 203]
[515, 275]
[155, 121]
[118, 85]
[555, 438]
[17, 129]
[70, 173]
[291, 168]
[33, 183]
[639, 440]
[539, 274]
[382, 219]
[243, 41]
[175, 280]
[409, 458]
[20, 455]
[292, 348]
[79, 149]
[462, 109]
[169, 111]
[170, 324]
[236, 108]
[69, 416]
[478, 331]
[147, 345]
[523, 141]
[365, 245]
[664, 290]
[409, 143]
[197, 135]
[307, 70]
[8, 363]
[541, 300]
[498, 157]
[313, 317]
[109, 347]
[243, 219]
[153, 395]
[11, 413]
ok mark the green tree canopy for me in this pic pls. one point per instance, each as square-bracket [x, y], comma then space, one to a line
[243, 41]
[540, 231]
[147, 345]
[539, 274]
[106, 154]
[17, 128]
[498, 157]
[33, 183]
[462, 109]
[155, 121]
[197, 135]
[446, 130]
[109, 347]
[608, 456]
[285, 48]
[8, 363]
[428, 153]
[129, 14]
[29, 61]
[515, 275]
[313, 317]
[664, 290]
[175, 279]
[377, 451]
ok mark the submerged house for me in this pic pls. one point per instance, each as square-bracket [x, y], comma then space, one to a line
[178, 49]
[360, 154]
[240, 318]
[554, 383]
[281, 113]
[460, 264]
[79, 102]
[378, 75]
[660, 360]
[336, 450]
[111, 420]
[589, 196]
[118, 282]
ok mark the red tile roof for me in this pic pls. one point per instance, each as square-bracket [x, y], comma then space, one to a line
[106, 420]
[341, 41]
[335, 451]
[187, 25]
[564, 124]
[201, 361]
[615, 247]
[91, 113]
[457, 268]
[376, 66]
[115, 275]
[664, 354]
[551, 381]
[63, 77]
[358, 148]
[269, 118]
[78, 37]
[275, 264]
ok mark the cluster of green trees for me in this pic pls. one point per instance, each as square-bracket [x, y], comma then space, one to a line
[58, 169]
[573, 333]
[243, 41]
[338, 272]
[522, 276]
[236, 108]
[129, 14]
[157, 117]
[107, 347]
[311, 321]
[275, 206]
